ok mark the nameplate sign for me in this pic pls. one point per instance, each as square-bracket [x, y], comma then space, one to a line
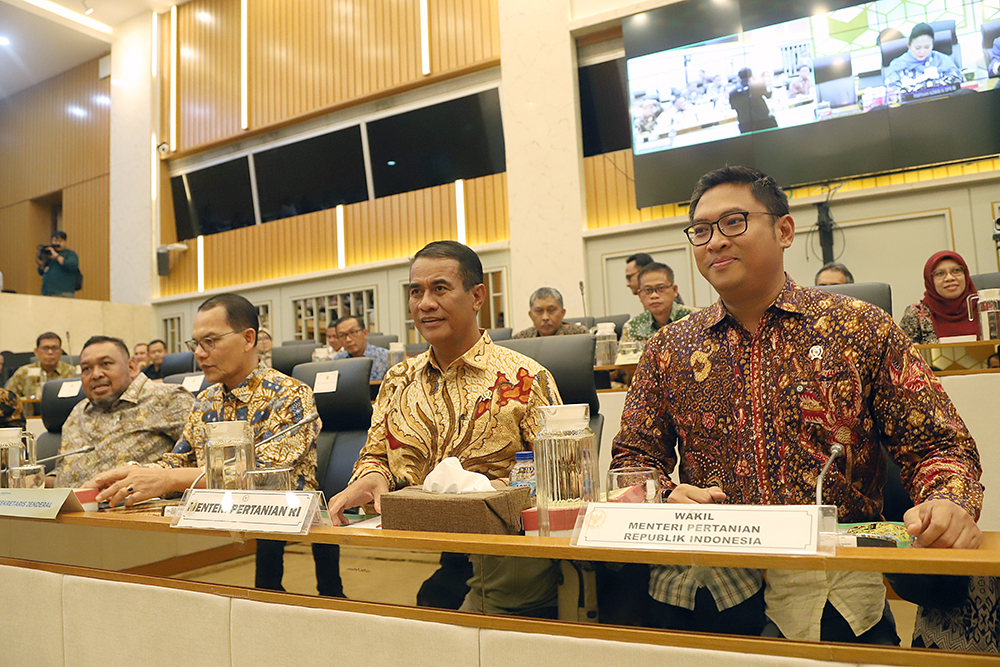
[774, 529]
[38, 503]
[70, 389]
[193, 382]
[253, 511]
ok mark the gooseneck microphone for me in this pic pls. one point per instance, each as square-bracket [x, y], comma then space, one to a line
[835, 451]
[583, 297]
[57, 457]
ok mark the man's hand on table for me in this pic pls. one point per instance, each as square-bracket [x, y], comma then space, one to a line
[132, 484]
[688, 493]
[942, 524]
[367, 489]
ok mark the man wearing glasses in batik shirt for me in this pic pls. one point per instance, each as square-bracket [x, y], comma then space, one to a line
[353, 335]
[225, 345]
[658, 294]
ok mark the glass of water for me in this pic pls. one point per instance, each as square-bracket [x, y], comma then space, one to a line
[634, 485]
[229, 454]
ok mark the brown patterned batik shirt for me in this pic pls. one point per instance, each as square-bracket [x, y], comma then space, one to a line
[142, 425]
[11, 414]
[481, 409]
[757, 414]
[270, 401]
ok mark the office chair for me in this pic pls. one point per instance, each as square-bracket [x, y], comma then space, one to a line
[986, 280]
[501, 333]
[382, 340]
[177, 362]
[877, 294]
[286, 357]
[55, 410]
[587, 321]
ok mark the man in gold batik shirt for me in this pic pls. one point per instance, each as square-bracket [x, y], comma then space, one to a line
[465, 397]
[126, 417]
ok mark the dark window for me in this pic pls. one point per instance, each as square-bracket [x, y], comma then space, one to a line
[604, 117]
[439, 144]
[311, 175]
[215, 199]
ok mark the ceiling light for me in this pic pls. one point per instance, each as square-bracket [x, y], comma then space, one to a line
[87, 9]
[4, 41]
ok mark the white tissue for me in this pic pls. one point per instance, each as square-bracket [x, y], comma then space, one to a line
[450, 477]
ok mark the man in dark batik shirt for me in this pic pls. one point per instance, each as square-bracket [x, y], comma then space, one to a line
[11, 414]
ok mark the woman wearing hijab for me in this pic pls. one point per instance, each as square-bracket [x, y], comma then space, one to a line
[264, 345]
[944, 310]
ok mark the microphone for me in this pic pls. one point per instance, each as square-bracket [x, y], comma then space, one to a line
[583, 297]
[835, 451]
[57, 457]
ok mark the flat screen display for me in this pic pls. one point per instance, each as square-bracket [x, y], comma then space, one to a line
[438, 144]
[808, 92]
[311, 175]
[212, 200]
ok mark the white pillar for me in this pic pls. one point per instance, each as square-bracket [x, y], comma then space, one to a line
[541, 124]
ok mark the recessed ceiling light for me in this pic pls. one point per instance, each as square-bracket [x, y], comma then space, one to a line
[4, 41]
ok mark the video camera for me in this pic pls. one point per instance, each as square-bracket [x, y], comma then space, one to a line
[43, 252]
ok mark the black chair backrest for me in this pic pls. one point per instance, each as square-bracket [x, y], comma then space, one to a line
[346, 415]
[877, 294]
[382, 340]
[287, 357]
[986, 280]
[54, 409]
[286, 343]
[619, 321]
[180, 377]
[501, 333]
[893, 49]
[71, 359]
[14, 360]
[177, 362]
[587, 321]
[570, 359]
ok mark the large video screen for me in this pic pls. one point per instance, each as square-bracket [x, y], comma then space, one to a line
[809, 91]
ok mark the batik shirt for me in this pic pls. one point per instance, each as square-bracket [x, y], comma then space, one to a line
[565, 329]
[642, 327]
[756, 414]
[26, 382]
[270, 401]
[142, 425]
[11, 414]
[379, 357]
[918, 324]
[481, 409]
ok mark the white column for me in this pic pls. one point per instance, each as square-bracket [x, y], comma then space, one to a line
[541, 124]
[132, 251]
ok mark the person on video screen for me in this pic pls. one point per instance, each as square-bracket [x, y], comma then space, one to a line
[920, 62]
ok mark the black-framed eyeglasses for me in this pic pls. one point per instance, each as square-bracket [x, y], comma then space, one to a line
[954, 271]
[731, 224]
[353, 333]
[207, 343]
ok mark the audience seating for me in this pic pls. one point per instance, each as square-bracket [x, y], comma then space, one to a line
[14, 360]
[502, 333]
[382, 340]
[55, 410]
[878, 294]
[178, 362]
[987, 280]
[286, 343]
[570, 359]
[346, 414]
[619, 321]
[413, 349]
[287, 357]
[587, 321]
[180, 377]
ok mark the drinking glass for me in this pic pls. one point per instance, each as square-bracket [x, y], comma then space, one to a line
[634, 485]
[268, 479]
[229, 454]
[27, 477]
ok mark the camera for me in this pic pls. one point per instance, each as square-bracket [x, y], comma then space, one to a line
[43, 252]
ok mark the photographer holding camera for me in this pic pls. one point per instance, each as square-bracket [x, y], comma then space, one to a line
[59, 267]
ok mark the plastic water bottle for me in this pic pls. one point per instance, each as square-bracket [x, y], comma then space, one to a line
[523, 472]
[397, 353]
[606, 348]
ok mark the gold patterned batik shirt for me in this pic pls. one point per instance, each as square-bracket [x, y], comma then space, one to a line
[11, 414]
[270, 401]
[142, 425]
[481, 409]
[27, 380]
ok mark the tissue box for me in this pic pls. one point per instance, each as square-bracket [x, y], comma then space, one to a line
[492, 513]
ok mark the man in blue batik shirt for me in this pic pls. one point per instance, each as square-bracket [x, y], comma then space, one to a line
[353, 335]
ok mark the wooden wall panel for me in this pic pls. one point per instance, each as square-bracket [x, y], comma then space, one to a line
[486, 218]
[22, 227]
[86, 212]
[610, 185]
[309, 54]
[462, 32]
[399, 225]
[54, 134]
[208, 72]
[183, 278]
